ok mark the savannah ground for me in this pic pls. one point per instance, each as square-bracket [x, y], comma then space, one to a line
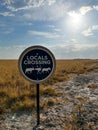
[18, 95]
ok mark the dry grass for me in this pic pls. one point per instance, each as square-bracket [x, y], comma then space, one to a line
[93, 86]
[18, 94]
[76, 119]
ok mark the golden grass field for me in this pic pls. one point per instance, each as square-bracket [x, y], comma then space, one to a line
[18, 94]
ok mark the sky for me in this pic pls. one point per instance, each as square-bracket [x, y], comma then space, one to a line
[68, 28]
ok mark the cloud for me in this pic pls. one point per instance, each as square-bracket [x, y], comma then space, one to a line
[95, 7]
[36, 9]
[6, 14]
[51, 26]
[95, 27]
[41, 9]
[67, 50]
[78, 46]
[57, 29]
[44, 34]
[46, 12]
[90, 31]
[72, 51]
[8, 52]
[17, 5]
[87, 32]
[85, 9]
[73, 40]
[12, 51]
[51, 2]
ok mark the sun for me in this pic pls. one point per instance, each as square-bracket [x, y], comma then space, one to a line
[75, 19]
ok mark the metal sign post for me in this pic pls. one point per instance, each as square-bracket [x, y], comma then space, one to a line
[38, 103]
[37, 64]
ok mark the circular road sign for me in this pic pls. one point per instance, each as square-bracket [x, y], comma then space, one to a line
[37, 63]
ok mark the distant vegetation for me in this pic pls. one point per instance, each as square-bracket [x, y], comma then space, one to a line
[17, 94]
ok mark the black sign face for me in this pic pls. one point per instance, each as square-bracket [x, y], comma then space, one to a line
[36, 63]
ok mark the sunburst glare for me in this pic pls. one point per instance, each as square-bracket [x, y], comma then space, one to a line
[75, 19]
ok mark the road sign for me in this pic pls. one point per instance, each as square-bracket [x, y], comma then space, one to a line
[37, 64]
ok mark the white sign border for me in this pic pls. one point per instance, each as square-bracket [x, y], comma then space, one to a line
[33, 48]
